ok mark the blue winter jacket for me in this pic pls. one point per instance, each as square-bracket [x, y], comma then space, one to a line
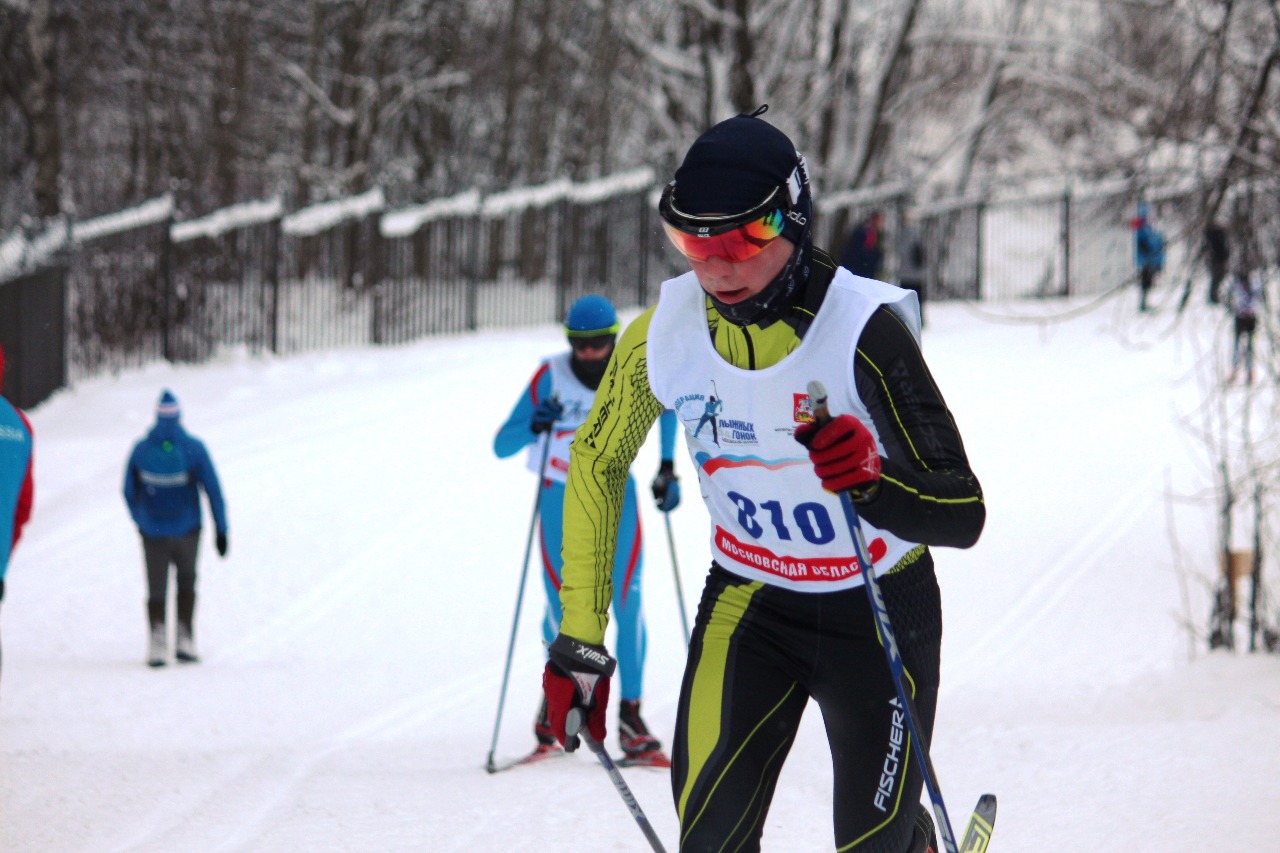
[162, 481]
[1148, 246]
[16, 489]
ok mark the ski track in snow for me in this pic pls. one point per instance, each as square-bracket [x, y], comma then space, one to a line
[1053, 582]
[354, 640]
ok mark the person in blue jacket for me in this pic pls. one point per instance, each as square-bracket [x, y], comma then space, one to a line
[162, 483]
[864, 250]
[545, 418]
[1148, 251]
[17, 484]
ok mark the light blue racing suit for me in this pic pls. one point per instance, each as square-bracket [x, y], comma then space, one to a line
[555, 378]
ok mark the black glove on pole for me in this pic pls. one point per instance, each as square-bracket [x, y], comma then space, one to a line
[666, 486]
[545, 415]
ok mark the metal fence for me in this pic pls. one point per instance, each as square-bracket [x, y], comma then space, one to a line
[120, 305]
[1068, 243]
[141, 286]
[223, 274]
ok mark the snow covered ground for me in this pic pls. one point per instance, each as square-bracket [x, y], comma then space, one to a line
[354, 638]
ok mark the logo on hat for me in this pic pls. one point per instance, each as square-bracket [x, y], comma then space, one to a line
[795, 182]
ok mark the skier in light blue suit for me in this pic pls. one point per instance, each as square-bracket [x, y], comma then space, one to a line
[17, 484]
[554, 404]
[162, 483]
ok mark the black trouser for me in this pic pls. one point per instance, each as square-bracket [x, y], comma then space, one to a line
[1146, 280]
[757, 655]
[1217, 272]
[161, 552]
[1242, 346]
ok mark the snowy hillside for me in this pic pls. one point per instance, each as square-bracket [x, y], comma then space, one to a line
[353, 640]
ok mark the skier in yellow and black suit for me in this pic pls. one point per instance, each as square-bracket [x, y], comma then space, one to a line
[783, 616]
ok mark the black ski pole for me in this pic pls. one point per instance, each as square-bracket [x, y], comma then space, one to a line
[818, 398]
[573, 725]
[675, 567]
[524, 573]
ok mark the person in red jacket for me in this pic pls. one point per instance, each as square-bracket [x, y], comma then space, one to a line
[17, 487]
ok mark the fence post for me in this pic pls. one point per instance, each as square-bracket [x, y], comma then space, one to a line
[473, 279]
[568, 242]
[642, 288]
[274, 233]
[1066, 242]
[979, 245]
[165, 274]
[375, 249]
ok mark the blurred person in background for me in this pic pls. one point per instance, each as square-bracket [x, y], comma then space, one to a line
[166, 472]
[1148, 253]
[1245, 300]
[1217, 255]
[864, 250]
[912, 261]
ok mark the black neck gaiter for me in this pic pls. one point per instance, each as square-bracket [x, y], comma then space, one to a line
[589, 373]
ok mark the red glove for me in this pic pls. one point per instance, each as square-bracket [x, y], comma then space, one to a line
[844, 455]
[577, 676]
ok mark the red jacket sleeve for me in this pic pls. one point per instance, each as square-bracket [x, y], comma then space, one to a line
[28, 494]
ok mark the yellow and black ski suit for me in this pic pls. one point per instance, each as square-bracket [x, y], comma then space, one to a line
[759, 652]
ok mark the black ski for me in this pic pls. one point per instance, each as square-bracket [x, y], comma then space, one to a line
[538, 755]
[978, 834]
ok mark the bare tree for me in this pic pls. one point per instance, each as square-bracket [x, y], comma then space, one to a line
[28, 75]
[115, 101]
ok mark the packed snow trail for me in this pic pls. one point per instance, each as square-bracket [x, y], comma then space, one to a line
[353, 640]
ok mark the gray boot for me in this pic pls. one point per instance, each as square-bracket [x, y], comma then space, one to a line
[158, 645]
[184, 642]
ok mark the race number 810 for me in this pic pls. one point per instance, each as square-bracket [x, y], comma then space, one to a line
[810, 517]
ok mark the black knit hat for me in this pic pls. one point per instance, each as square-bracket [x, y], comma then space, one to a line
[736, 164]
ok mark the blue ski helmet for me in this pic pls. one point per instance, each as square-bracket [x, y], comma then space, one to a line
[591, 317]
